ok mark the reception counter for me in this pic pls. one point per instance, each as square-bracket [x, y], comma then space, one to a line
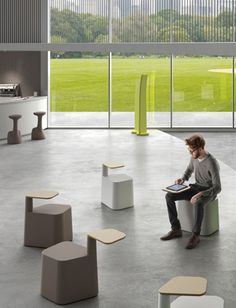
[25, 106]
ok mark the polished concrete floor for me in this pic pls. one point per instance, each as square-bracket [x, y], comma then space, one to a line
[130, 271]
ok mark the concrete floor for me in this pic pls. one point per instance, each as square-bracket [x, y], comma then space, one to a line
[130, 271]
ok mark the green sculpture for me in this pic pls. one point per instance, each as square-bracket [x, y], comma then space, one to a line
[140, 127]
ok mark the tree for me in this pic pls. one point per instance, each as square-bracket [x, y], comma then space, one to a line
[77, 28]
[174, 34]
[60, 26]
[218, 34]
[97, 26]
[169, 15]
[57, 40]
[135, 28]
[225, 19]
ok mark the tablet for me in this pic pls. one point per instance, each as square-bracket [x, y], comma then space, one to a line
[176, 188]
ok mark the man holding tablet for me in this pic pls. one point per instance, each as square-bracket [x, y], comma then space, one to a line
[207, 186]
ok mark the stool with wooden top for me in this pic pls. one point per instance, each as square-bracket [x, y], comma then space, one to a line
[117, 189]
[69, 271]
[181, 285]
[191, 292]
[48, 224]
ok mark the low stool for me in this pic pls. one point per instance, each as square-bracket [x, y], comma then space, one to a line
[181, 286]
[48, 224]
[210, 222]
[69, 270]
[117, 189]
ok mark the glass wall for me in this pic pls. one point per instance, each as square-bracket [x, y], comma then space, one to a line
[79, 90]
[202, 91]
[195, 91]
[234, 96]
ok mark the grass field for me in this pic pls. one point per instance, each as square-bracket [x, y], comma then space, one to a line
[82, 84]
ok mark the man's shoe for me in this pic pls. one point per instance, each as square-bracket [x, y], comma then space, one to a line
[193, 241]
[172, 234]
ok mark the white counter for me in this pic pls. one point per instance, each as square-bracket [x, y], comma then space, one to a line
[26, 107]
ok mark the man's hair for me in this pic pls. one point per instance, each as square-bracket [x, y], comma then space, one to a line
[195, 142]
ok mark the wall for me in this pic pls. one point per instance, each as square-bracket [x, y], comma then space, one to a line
[20, 21]
[24, 21]
[23, 68]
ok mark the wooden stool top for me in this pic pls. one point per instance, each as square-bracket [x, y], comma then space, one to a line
[113, 165]
[185, 285]
[107, 236]
[15, 116]
[42, 194]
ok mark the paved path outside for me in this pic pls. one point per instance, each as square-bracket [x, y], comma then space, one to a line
[154, 119]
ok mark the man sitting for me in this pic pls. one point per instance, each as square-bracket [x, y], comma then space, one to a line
[207, 186]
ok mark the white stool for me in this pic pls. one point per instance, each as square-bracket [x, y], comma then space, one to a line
[181, 286]
[205, 301]
[186, 215]
[117, 189]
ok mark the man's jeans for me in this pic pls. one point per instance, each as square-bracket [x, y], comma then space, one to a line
[187, 195]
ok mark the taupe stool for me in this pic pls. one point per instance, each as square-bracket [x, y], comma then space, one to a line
[210, 222]
[14, 136]
[48, 224]
[37, 132]
[69, 271]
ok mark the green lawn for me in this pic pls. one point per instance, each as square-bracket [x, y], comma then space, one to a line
[81, 84]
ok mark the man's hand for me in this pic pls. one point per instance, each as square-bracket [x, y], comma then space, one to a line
[196, 197]
[179, 181]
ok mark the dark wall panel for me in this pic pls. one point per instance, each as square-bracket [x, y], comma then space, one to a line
[23, 68]
[20, 21]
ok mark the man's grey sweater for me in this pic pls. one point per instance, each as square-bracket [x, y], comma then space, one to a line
[206, 174]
